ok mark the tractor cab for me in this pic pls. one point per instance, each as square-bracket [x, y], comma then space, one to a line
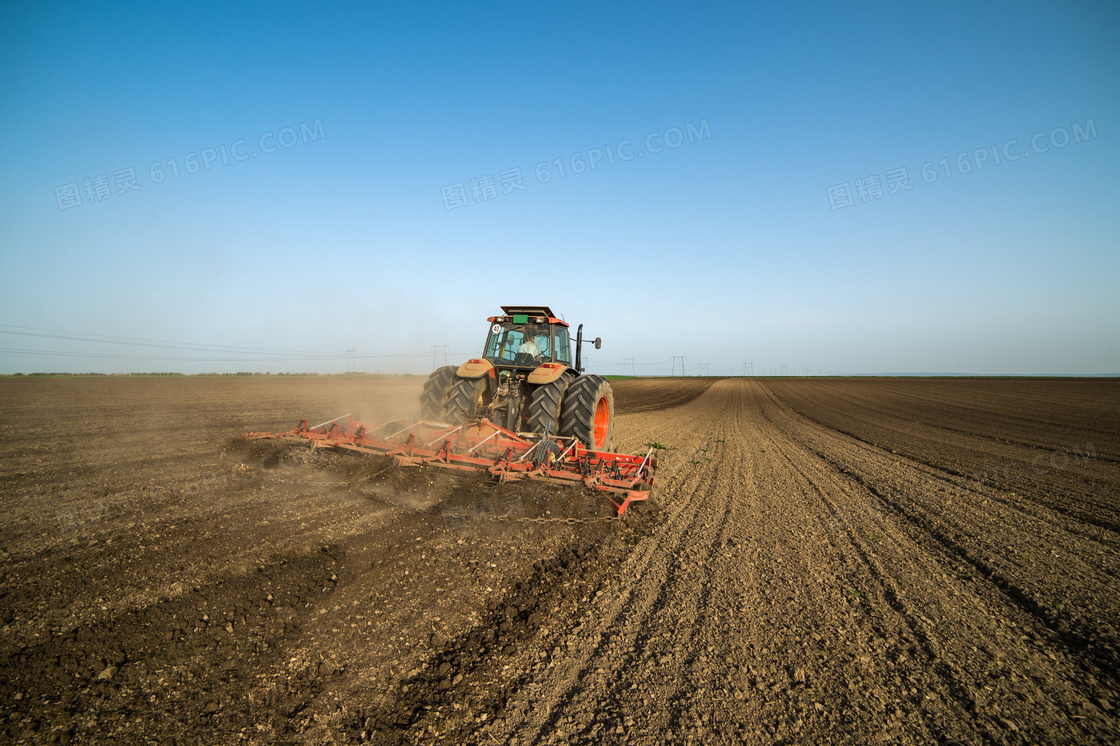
[526, 337]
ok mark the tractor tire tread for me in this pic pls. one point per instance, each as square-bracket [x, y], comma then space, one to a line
[577, 418]
[433, 399]
[545, 405]
[462, 399]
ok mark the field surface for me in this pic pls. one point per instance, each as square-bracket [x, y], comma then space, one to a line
[825, 561]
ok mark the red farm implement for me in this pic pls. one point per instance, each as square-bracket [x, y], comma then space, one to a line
[481, 445]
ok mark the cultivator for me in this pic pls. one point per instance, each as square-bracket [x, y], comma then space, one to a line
[481, 445]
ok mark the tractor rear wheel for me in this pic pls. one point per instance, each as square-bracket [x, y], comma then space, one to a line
[466, 400]
[544, 406]
[588, 412]
[434, 397]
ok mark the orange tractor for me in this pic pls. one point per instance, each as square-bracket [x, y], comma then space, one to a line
[526, 381]
[523, 410]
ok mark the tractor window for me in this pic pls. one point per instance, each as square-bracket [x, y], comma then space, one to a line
[543, 340]
[502, 345]
[522, 344]
[563, 346]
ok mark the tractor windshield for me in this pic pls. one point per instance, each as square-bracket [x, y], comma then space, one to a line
[519, 344]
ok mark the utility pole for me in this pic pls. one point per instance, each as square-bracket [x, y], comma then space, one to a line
[351, 360]
[675, 359]
[436, 348]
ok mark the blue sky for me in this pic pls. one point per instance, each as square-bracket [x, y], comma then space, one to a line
[810, 187]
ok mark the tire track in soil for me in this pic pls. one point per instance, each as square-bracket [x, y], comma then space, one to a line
[1074, 639]
[962, 480]
[588, 567]
[659, 569]
[854, 681]
[993, 437]
[1062, 678]
[980, 529]
[769, 603]
[847, 540]
[680, 623]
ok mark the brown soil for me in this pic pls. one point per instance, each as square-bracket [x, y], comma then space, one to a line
[896, 561]
[632, 396]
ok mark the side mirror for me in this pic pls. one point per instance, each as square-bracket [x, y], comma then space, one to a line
[598, 343]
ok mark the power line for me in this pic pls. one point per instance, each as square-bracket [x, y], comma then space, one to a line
[437, 348]
[118, 356]
[30, 331]
[350, 355]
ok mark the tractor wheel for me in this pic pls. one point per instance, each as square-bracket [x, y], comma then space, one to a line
[466, 400]
[434, 397]
[588, 412]
[544, 407]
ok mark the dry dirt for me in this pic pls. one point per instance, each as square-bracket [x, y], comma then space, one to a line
[850, 561]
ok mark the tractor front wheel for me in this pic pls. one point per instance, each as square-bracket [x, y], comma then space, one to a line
[588, 412]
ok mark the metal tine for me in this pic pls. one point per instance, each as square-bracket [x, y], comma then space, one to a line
[403, 430]
[488, 437]
[336, 419]
[648, 453]
[445, 435]
[565, 453]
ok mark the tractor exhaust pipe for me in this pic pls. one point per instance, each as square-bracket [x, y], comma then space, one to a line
[579, 346]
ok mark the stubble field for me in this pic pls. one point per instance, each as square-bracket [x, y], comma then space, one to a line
[825, 560]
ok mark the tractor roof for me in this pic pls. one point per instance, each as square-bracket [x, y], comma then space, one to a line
[537, 311]
[527, 310]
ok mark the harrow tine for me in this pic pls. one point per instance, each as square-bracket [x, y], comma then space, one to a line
[336, 419]
[403, 430]
[491, 435]
[567, 451]
[529, 452]
[445, 435]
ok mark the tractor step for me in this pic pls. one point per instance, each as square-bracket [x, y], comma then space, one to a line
[481, 445]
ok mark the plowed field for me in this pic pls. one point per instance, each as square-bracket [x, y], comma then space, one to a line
[826, 561]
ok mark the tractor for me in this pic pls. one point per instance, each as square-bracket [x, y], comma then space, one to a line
[526, 381]
[523, 410]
